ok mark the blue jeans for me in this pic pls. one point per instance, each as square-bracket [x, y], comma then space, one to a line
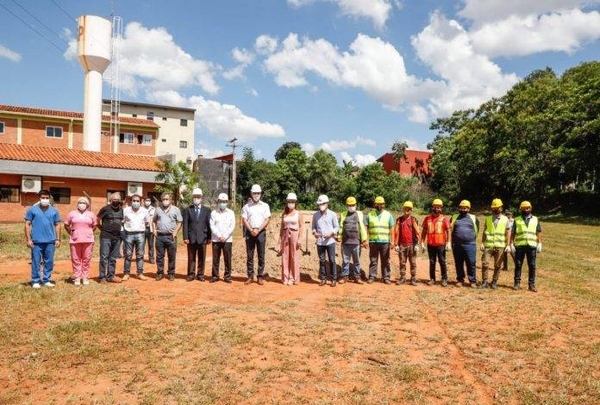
[135, 240]
[350, 252]
[465, 253]
[109, 252]
[168, 244]
[330, 250]
[39, 251]
[520, 253]
[437, 253]
[257, 243]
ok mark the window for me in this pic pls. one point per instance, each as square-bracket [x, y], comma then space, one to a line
[126, 137]
[9, 194]
[1, 127]
[144, 139]
[61, 195]
[150, 115]
[54, 132]
[164, 118]
[134, 115]
[183, 122]
[183, 144]
[164, 140]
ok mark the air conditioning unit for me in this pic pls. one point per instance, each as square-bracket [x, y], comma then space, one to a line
[134, 188]
[31, 184]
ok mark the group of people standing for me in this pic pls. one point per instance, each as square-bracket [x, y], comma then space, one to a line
[140, 224]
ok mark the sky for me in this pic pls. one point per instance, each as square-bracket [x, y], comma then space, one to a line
[350, 77]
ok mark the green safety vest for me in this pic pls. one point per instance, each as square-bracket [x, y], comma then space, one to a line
[380, 230]
[495, 235]
[526, 235]
[473, 218]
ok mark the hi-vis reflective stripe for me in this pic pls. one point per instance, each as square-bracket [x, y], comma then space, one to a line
[495, 235]
[526, 235]
[380, 229]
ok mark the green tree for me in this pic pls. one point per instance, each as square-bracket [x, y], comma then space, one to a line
[176, 179]
[399, 151]
[285, 149]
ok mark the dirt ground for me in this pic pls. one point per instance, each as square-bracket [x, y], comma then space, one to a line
[372, 337]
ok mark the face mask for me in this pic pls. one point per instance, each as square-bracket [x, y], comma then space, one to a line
[222, 206]
[166, 203]
[255, 197]
[197, 201]
[323, 207]
[291, 205]
[82, 206]
[524, 213]
[147, 203]
[44, 202]
[115, 204]
[135, 205]
[351, 209]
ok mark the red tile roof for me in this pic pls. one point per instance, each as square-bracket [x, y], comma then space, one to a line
[43, 112]
[74, 157]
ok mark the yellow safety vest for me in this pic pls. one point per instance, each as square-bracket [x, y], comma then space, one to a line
[526, 235]
[380, 230]
[495, 235]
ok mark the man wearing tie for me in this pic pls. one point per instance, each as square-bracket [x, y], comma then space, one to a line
[196, 234]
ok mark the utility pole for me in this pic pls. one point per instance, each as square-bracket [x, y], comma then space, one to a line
[233, 179]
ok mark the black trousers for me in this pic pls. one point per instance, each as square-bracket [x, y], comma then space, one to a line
[225, 249]
[196, 256]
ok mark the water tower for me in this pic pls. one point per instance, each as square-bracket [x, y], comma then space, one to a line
[93, 50]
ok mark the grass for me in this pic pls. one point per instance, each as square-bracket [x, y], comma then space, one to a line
[377, 344]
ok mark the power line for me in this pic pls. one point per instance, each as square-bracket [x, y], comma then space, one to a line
[32, 28]
[64, 11]
[41, 22]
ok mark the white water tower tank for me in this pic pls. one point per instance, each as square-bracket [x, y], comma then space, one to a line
[93, 50]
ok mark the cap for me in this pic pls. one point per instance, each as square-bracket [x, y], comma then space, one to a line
[322, 199]
[350, 201]
[223, 197]
[292, 197]
[256, 189]
[83, 200]
[197, 191]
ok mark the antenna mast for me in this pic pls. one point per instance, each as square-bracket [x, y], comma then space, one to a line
[115, 87]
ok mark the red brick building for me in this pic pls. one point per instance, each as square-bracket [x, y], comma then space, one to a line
[416, 164]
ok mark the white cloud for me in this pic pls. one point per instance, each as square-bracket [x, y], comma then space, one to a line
[209, 152]
[9, 54]
[266, 44]
[358, 159]
[309, 148]
[244, 58]
[483, 11]
[377, 11]
[470, 78]
[333, 146]
[560, 31]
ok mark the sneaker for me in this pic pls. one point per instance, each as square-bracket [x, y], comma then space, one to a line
[36, 285]
[159, 276]
[333, 283]
[358, 280]
[49, 284]
[171, 277]
[386, 281]
[532, 288]
[86, 281]
[459, 283]
[142, 277]
[343, 280]
[431, 282]
[260, 281]
[115, 279]
[125, 277]
[370, 281]
[444, 283]
[322, 283]
[517, 287]
[494, 285]
[401, 280]
[413, 281]
[77, 282]
[248, 281]
[473, 284]
[484, 285]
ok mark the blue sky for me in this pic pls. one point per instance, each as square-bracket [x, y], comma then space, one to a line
[348, 76]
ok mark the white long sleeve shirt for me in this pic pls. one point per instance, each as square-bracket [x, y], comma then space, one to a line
[222, 224]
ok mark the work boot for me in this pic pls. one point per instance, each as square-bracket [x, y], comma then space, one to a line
[484, 285]
[494, 285]
[532, 288]
[358, 280]
[413, 281]
[517, 286]
[431, 282]
[444, 283]
[401, 280]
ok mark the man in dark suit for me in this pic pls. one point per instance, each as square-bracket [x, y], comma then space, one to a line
[196, 234]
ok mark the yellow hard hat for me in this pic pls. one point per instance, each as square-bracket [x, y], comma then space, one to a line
[408, 204]
[350, 201]
[437, 202]
[525, 204]
[465, 203]
[379, 200]
[496, 203]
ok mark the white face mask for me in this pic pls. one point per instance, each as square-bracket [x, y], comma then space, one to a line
[44, 202]
[197, 201]
[291, 205]
[255, 197]
[323, 207]
[222, 206]
[135, 205]
[82, 206]
[351, 209]
[166, 203]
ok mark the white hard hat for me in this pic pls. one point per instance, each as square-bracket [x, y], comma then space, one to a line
[223, 197]
[322, 199]
[197, 191]
[256, 189]
[292, 197]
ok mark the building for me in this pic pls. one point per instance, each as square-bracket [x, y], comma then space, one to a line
[42, 148]
[415, 164]
[176, 134]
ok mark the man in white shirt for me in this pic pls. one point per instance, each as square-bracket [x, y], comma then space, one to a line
[222, 225]
[256, 215]
[135, 220]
